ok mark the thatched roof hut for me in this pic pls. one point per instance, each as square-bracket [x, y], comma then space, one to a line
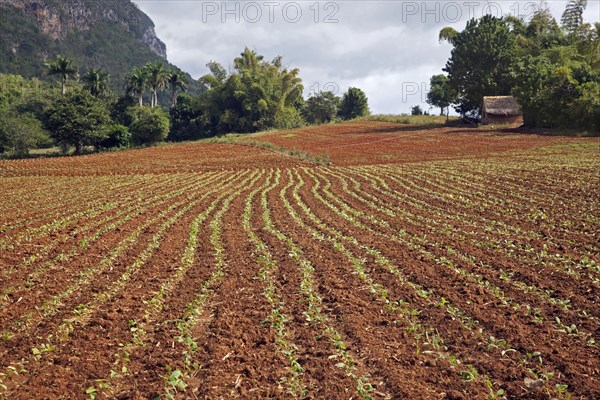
[501, 110]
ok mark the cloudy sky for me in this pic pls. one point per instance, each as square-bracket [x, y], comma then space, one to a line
[389, 48]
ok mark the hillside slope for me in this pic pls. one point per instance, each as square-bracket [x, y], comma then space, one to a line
[113, 35]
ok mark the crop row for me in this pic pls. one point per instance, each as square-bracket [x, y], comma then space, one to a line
[451, 258]
[154, 306]
[344, 211]
[81, 313]
[86, 277]
[441, 268]
[91, 230]
[462, 231]
[55, 209]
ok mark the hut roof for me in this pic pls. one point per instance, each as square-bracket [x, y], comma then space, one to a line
[501, 105]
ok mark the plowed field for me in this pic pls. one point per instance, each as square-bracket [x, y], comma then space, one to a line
[423, 264]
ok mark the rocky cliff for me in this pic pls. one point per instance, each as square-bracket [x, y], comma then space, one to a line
[58, 18]
[110, 34]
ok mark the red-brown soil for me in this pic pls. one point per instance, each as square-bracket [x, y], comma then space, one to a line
[191, 157]
[438, 263]
[371, 142]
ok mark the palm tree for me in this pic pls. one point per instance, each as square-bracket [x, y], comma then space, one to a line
[177, 81]
[157, 79]
[448, 34]
[248, 60]
[63, 67]
[96, 81]
[291, 87]
[137, 81]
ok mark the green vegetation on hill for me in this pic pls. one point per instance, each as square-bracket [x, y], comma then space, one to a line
[22, 45]
[106, 44]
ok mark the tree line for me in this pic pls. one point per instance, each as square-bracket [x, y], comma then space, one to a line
[258, 95]
[84, 115]
[552, 69]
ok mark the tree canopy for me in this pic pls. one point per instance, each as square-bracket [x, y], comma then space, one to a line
[572, 17]
[96, 81]
[186, 119]
[354, 104]
[321, 108]
[440, 93]
[137, 82]
[78, 119]
[177, 81]
[20, 132]
[63, 67]
[258, 95]
[150, 125]
[553, 70]
[481, 62]
[157, 79]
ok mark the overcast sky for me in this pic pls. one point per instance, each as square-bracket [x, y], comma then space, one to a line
[389, 49]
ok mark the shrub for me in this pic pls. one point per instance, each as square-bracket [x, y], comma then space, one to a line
[150, 125]
[186, 122]
[122, 110]
[416, 110]
[288, 118]
[19, 133]
[118, 136]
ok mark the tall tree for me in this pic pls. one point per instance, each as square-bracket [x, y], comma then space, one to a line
[541, 33]
[440, 94]
[78, 119]
[96, 81]
[217, 71]
[557, 74]
[157, 79]
[64, 68]
[481, 62]
[258, 95]
[321, 108]
[176, 81]
[137, 82]
[354, 104]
